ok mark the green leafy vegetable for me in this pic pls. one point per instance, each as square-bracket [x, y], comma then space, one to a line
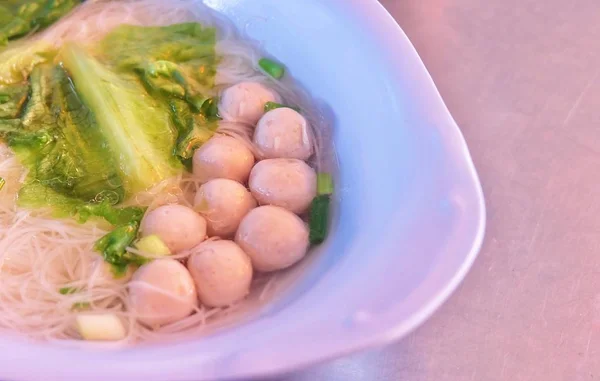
[274, 105]
[135, 127]
[19, 58]
[113, 247]
[58, 140]
[272, 68]
[12, 99]
[112, 119]
[177, 65]
[81, 306]
[109, 122]
[193, 130]
[35, 195]
[210, 109]
[68, 290]
[318, 219]
[21, 17]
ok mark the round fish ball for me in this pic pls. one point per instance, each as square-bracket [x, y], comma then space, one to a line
[288, 183]
[178, 226]
[223, 157]
[222, 273]
[245, 102]
[162, 292]
[273, 237]
[283, 133]
[223, 203]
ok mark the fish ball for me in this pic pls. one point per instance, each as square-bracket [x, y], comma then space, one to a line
[273, 238]
[288, 183]
[283, 133]
[223, 203]
[245, 102]
[179, 227]
[223, 157]
[162, 292]
[221, 271]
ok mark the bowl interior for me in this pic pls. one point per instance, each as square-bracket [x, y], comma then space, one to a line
[408, 219]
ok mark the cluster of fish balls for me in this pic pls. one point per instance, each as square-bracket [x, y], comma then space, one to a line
[252, 206]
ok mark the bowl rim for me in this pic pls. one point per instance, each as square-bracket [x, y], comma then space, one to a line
[385, 26]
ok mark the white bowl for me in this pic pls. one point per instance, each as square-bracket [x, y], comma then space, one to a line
[408, 225]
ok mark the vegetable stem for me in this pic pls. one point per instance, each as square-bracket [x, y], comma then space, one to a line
[272, 68]
[81, 306]
[324, 183]
[273, 105]
[2, 183]
[152, 245]
[318, 218]
[68, 290]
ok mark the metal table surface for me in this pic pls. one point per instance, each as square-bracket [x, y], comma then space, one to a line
[521, 78]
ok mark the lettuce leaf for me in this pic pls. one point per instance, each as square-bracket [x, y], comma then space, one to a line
[58, 139]
[97, 124]
[136, 127]
[21, 17]
[112, 119]
[19, 58]
[177, 66]
[113, 247]
[39, 196]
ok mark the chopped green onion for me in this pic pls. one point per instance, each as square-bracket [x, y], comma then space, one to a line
[272, 68]
[81, 306]
[68, 290]
[119, 271]
[273, 105]
[324, 183]
[318, 218]
[100, 326]
[2, 182]
[153, 245]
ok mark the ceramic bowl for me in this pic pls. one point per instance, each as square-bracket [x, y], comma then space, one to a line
[408, 221]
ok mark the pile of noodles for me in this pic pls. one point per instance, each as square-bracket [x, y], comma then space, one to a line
[39, 254]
